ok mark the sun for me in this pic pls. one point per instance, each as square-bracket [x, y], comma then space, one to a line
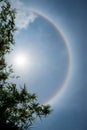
[20, 61]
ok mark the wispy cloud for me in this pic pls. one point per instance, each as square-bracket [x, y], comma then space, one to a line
[24, 16]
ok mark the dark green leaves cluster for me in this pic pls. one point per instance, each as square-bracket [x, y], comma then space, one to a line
[18, 108]
[7, 27]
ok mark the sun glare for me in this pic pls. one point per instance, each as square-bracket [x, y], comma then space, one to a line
[20, 61]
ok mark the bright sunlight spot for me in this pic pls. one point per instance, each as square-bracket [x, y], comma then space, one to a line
[20, 61]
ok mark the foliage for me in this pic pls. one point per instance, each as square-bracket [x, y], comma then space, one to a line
[18, 108]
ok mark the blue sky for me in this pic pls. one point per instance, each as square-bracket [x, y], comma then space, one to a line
[49, 55]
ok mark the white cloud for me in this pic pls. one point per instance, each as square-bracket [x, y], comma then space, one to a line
[24, 16]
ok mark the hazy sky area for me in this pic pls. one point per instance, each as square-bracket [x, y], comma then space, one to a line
[52, 35]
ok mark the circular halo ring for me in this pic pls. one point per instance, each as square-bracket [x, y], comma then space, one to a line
[64, 84]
